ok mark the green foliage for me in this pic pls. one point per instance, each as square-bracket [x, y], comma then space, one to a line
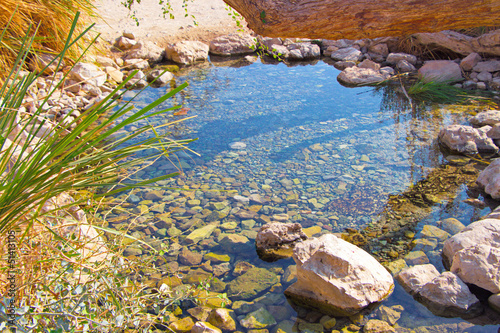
[166, 8]
[437, 92]
[59, 289]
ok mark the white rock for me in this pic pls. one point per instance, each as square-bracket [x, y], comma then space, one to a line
[485, 76]
[147, 50]
[88, 73]
[394, 58]
[232, 44]
[447, 296]
[478, 265]
[124, 43]
[485, 231]
[381, 49]
[276, 235]
[106, 62]
[466, 139]
[347, 54]
[299, 51]
[136, 64]
[187, 52]
[490, 117]
[337, 276]
[161, 77]
[413, 278]
[440, 71]
[445, 40]
[360, 76]
[489, 179]
[242, 199]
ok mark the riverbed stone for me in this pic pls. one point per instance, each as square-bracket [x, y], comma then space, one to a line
[182, 325]
[190, 258]
[204, 327]
[260, 318]
[440, 71]
[160, 77]
[466, 139]
[187, 52]
[416, 258]
[378, 326]
[234, 243]
[487, 66]
[389, 314]
[413, 278]
[223, 318]
[251, 283]
[301, 51]
[430, 231]
[337, 277]
[451, 225]
[200, 233]
[447, 296]
[478, 265]
[232, 44]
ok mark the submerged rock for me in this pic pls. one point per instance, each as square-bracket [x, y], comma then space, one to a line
[276, 240]
[250, 284]
[337, 277]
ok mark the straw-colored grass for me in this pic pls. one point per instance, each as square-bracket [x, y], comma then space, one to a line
[53, 20]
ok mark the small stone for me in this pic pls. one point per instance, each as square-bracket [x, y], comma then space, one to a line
[328, 322]
[451, 225]
[223, 318]
[182, 325]
[416, 258]
[237, 145]
[203, 327]
[388, 314]
[378, 326]
[260, 318]
[200, 233]
[494, 302]
[215, 258]
[430, 231]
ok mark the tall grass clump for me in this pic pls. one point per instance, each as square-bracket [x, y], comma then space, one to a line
[66, 278]
[53, 19]
[437, 92]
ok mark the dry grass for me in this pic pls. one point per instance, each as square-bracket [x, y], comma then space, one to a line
[52, 19]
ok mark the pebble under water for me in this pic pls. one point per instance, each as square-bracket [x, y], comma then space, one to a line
[294, 145]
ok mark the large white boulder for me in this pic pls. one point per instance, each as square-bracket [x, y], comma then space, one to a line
[489, 179]
[485, 231]
[232, 44]
[467, 139]
[187, 52]
[337, 277]
[478, 265]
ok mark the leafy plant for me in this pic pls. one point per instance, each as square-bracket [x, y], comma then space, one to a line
[58, 285]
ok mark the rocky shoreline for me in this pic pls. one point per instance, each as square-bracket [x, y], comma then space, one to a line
[362, 62]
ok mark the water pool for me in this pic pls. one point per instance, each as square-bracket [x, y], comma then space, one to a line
[309, 151]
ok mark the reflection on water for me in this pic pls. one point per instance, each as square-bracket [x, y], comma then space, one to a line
[316, 153]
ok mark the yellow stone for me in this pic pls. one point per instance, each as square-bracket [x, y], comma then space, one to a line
[310, 232]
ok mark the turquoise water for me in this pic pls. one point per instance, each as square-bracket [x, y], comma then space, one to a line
[328, 156]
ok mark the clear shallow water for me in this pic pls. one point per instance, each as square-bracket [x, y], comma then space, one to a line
[326, 155]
